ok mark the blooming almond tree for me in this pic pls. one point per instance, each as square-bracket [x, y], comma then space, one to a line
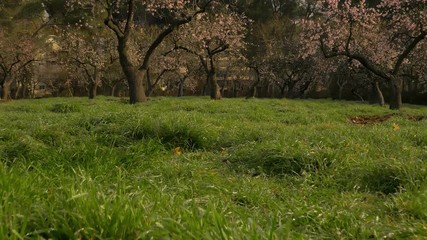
[218, 31]
[121, 19]
[17, 41]
[381, 38]
[90, 49]
[16, 53]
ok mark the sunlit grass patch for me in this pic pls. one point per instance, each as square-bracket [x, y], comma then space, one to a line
[191, 168]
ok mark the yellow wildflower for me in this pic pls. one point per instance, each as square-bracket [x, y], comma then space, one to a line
[177, 151]
[396, 127]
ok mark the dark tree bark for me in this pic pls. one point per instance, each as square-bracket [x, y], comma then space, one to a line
[396, 87]
[282, 91]
[236, 88]
[25, 91]
[93, 84]
[204, 89]
[215, 92]
[341, 84]
[134, 76]
[92, 90]
[291, 86]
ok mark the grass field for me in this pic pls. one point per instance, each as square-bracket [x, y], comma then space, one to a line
[192, 168]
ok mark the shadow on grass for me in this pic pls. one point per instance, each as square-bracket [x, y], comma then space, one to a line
[275, 162]
[65, 108]
[382, 179]
[116, 130]
[170, 137]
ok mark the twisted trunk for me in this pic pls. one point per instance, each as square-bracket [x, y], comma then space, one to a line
[134, 76]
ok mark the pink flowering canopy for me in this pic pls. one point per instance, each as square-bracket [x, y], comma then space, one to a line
[384, 35]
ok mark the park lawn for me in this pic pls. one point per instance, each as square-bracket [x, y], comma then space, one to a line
[192, 168]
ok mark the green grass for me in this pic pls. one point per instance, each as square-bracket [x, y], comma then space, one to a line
[249, 169]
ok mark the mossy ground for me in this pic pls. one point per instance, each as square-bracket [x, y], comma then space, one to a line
[192, 168]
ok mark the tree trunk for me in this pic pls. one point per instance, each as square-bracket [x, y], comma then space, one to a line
[93, 85]
[380, 95]
[113, 90]
[25, 91]
[222, 90]
[213, 86]
[376, 94]
[134, 76]
[5, 91]
[92, 89]
[135, 79]
[18, 91]
[355, 93]
[252, 89]
[236, 88]
[282, 91]
[70, 89]
[181, 88]
[150, 86]
[341, 89]
[291, 86]
[396, 86]
[271, 90]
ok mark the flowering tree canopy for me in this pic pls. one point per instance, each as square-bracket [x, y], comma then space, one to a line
[382, 38]
[19, 23]
[90, 49]
[122, 17]
[218, 31]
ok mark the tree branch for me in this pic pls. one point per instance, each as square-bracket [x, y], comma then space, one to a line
[407, 51]
[110, 23]
[360, 58]
[129, 20]
[350, 36]
[41, 27]
[202, 60]
[26, 63]
[218, 49]
[168, 31]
